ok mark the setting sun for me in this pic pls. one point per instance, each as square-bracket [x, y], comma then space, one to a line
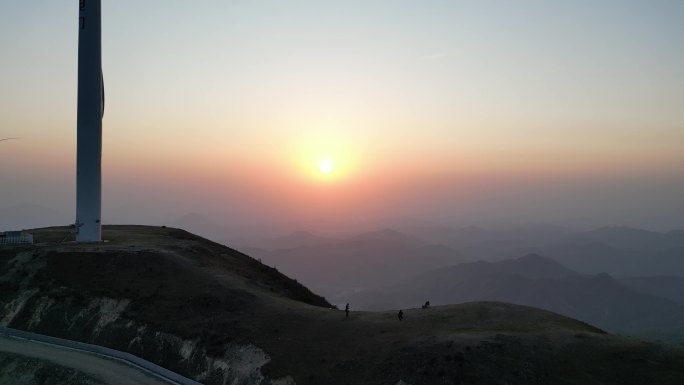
[326, 165]
[326, 156]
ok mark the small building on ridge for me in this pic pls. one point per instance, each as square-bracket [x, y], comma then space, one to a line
[15, 238]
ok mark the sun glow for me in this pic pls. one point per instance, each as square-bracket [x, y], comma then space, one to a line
[326, 156]
[326, 165]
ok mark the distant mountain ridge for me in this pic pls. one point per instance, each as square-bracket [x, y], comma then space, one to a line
[669, 287]
[540, 282]
[300, 238]
[334, 266]
[618, 250]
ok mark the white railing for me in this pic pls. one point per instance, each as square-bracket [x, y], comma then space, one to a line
[127, 358]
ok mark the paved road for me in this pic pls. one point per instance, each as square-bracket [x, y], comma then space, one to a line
[110, 370]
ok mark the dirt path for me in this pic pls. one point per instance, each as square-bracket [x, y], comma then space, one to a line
[108, 370]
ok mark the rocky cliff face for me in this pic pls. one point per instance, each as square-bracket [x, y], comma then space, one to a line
[100, 322]
[69, 293]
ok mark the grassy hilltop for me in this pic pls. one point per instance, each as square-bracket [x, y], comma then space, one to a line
[214, 314]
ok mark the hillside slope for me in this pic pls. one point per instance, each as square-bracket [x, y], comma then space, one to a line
[540, 282]
[221, 317]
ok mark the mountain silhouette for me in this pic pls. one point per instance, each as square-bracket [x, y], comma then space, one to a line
[540, 282]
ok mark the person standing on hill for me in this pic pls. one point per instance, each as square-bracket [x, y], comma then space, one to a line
[400, 315]
[346, 311]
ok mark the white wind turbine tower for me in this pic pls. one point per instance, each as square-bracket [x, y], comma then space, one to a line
[89, 123]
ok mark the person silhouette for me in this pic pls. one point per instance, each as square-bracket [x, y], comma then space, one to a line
[400, 315]
[346, 311]
[427, 305]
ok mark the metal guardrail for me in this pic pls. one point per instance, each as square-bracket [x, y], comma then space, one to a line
[127, 358]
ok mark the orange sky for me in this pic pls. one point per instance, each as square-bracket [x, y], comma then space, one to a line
[426, 111]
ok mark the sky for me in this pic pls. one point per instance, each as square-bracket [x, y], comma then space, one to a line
[465, 112]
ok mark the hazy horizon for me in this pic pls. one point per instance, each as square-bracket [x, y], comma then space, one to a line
[457, 113]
